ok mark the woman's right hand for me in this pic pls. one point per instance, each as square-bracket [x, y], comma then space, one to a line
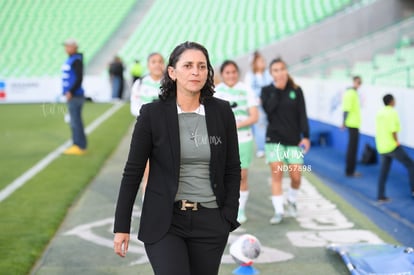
[121, 241]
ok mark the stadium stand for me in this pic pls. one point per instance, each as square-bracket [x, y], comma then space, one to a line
[33, 32]
[226, 30]
[391, 69]
[384, 57]
[31, 47]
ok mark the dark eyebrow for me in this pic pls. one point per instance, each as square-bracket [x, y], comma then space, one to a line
[191, 62]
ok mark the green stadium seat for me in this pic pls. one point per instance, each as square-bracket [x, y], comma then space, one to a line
[227, 29]
[33, 32]
[384, 69]
[339, 74]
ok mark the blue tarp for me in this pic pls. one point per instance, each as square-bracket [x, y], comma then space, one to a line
[376, 259]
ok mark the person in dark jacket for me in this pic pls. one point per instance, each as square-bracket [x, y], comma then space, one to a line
[287, 136]
[72, 77]
[192, 195]
[116, 74]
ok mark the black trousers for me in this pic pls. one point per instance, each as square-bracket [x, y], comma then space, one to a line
[386, 160]
[351, 152]
[194, 244]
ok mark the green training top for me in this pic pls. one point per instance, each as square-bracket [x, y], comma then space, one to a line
[137, 69]
[242, 98]
[387, 122]
[350, 104]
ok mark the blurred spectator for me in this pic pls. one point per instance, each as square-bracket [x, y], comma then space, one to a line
[352, 121]
[72, 76]
[116, 74]
[386, 138]
[257, 78]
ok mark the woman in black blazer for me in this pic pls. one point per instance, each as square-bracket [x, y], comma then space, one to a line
[191, 200]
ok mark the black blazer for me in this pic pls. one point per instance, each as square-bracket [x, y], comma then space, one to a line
[156, 137]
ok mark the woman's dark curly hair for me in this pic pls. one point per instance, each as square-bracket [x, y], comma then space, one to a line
[169, 87]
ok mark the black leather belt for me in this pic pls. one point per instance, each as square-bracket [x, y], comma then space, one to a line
[187, 205]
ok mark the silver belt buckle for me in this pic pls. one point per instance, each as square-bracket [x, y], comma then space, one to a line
[185, 204]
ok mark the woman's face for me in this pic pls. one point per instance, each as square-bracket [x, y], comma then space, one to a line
[190, 71]
[156, 65]
[280, 74]
[230, 75]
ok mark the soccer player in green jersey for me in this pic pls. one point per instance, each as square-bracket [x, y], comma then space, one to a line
[244, 105]
[146, 90]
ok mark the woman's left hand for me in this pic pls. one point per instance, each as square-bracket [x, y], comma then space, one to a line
[121, 241]
[305, 144]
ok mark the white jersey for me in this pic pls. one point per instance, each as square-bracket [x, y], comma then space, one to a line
[241, 97]
[143, 91]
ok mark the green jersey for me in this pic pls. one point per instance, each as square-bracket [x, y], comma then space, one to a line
[137, 69]
[387, 123]
[143, 91]
[242, 98]
[350, 104]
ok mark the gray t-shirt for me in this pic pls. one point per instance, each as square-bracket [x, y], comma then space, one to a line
[194, 182]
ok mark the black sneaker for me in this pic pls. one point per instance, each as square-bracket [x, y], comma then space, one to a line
[384, 200]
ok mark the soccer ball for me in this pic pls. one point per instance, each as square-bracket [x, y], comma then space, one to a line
[245, 249]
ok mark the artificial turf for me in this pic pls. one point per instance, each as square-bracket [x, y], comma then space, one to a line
[31, 215]
[30, 131]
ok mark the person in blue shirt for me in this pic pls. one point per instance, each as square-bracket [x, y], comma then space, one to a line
[257, 78]
[72, 76]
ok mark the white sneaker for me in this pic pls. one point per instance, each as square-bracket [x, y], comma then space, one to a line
[241, 216]
[276, 219]
[292, 209]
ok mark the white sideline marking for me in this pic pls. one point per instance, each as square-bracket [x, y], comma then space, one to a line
[20, 181]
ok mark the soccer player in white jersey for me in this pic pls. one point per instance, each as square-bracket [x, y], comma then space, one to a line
[146, 90]
[244, 105]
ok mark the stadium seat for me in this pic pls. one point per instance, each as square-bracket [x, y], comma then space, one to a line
[392, 69]
[33, 32]
[227, 30]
